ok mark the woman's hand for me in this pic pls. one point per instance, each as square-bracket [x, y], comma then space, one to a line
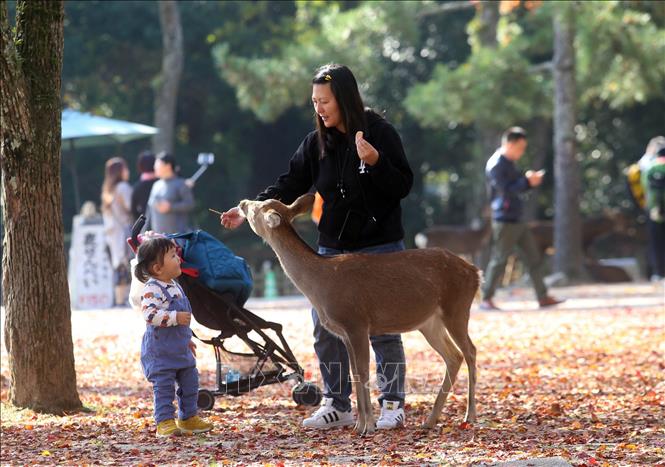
[232, 218]
[183, 318]
[366, 151]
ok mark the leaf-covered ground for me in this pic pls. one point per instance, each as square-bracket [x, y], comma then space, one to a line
[583, 382]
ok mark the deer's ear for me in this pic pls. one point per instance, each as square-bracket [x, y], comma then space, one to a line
[272, 218]
[302, 205]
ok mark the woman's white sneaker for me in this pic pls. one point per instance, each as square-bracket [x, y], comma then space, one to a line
[328, 416]
[392, 416]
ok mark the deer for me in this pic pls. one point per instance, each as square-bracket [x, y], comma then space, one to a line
[357, 295]
[459, 239]
[592, 229]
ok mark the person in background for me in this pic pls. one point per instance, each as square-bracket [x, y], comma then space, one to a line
[653, 181]
[142, 188]
[509, 232]
[356, 161]
[170, 200]
[116, 198]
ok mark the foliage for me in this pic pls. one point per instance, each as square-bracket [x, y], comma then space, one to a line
[583, 382]
[493, 87]
[270, 85]
[245, 88]
[619, 55]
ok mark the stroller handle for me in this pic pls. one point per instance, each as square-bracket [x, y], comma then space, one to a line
[136, 230]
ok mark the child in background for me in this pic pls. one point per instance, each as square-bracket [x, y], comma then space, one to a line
[167, 351]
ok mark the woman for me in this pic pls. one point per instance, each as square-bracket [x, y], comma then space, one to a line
[116, 202]
[356, 161]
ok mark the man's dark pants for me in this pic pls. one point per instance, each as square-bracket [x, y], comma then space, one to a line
[508, 237]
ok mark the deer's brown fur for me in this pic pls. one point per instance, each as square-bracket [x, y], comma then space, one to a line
[358, 295]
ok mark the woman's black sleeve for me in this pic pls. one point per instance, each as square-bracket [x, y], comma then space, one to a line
[391, 174]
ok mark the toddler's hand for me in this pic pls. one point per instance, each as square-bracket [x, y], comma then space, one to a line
[192, 347]
[183, 318]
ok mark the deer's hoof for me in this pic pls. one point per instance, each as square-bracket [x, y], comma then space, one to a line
[429, 424]
[364, 429]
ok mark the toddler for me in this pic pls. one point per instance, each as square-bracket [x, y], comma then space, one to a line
[167, 351]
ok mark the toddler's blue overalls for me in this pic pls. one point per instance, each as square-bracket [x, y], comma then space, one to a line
[166, 359]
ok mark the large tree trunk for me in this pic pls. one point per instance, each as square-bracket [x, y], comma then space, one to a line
[489, 138]
[169, 79]
[38, 333]
[567, 226]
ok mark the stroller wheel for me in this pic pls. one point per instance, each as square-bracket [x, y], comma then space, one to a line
[306, 394]
[206, 399]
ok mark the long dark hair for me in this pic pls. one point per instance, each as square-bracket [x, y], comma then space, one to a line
[151, 252]
[113, 171]
[345, 89]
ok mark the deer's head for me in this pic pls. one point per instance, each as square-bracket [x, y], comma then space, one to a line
[265, 216]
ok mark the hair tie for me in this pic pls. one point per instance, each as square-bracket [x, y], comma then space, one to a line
[327, 77]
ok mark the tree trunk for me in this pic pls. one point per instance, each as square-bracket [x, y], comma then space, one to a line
[567, 226]
[489, 137]
[38, 333]
[169, 79]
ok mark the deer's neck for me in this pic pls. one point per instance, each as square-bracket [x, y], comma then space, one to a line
[298, 260]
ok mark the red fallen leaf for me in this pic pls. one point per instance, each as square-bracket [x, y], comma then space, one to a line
[29, 427]
[465, 426]
[555, 409]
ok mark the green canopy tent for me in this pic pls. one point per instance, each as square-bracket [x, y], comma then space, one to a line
[84, 130]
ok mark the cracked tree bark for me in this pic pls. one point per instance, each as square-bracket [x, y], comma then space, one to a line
[38, 334]
[567, 226]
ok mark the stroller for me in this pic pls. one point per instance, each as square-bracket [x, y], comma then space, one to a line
[237, 373]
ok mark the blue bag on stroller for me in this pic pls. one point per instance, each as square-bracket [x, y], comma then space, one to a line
[219, 269]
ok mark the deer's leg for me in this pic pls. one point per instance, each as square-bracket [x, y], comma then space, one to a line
[458, 330]
[357, 345]
[435, 333]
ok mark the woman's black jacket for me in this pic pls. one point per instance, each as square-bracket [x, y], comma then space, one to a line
[360, 209]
